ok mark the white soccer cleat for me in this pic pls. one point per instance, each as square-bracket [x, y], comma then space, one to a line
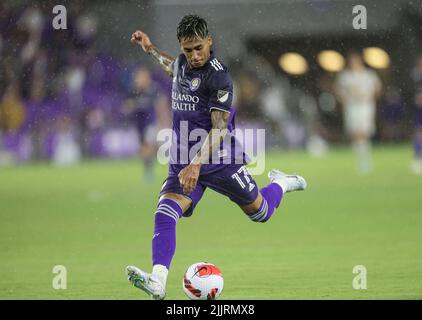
[146, 282]
[287, 182]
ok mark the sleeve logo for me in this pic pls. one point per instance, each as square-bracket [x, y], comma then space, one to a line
[222, 96]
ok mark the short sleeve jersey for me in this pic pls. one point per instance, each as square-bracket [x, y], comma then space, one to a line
[358, 88]
[196, 92]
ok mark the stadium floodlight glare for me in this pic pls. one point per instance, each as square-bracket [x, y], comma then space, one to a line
[376, 58]
[331, 60]
[293, 63]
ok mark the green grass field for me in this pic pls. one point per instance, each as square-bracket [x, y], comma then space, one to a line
[97, 217]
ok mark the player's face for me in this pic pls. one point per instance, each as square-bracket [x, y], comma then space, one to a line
[196, 50]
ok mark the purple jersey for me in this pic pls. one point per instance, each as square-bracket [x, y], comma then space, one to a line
[144, 114]
[145, 101]
[195, 93]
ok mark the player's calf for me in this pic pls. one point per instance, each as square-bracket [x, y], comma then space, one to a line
[272, 194]
[164, 240]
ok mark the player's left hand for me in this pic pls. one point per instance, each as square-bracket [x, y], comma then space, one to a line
[142, 39]
[188, 177]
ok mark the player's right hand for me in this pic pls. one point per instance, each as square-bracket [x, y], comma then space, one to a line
[188, 177]
[142, 39]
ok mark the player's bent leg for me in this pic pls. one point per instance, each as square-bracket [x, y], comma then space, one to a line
[269, 197]
[266, 202]
[169, 211]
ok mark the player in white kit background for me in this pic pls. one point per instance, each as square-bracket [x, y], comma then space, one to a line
[357, 89]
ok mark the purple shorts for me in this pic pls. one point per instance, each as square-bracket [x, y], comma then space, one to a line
[233, 181]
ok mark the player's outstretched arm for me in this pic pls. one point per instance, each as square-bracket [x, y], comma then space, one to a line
[164, 60]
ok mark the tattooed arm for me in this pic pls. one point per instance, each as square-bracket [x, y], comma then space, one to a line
[163, 59]
[188, 176]
[220, 122]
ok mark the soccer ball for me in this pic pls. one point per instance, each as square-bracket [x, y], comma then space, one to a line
[203, 281]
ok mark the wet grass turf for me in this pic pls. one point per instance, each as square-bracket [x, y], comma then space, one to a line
[97, 217]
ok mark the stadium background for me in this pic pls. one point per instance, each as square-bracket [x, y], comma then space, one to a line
[94, 215]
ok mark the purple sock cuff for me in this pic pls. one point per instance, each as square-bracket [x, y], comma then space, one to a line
[262, 214]
[170, 208]
[170, 205]
[263, 204]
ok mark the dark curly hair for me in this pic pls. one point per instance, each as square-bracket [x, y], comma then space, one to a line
[192, 26]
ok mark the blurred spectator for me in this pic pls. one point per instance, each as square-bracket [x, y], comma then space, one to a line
[357, 89]
[12, 117]
[66, 94]
[68, 90]
[12, 110]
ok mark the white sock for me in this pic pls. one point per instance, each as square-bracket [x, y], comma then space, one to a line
[282, 183]
[161, 272]
[363, 153]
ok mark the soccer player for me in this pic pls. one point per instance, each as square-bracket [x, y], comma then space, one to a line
[357, 89]
[201, 97]
[142, 107]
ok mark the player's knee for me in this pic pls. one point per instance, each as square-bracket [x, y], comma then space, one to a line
[164, 219]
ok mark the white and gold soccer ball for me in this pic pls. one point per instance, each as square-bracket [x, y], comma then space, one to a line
[203, 281]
